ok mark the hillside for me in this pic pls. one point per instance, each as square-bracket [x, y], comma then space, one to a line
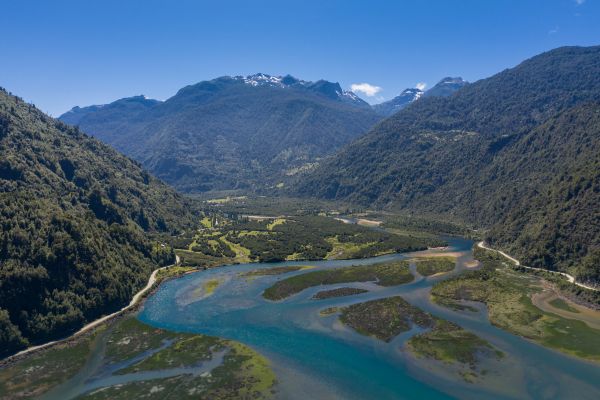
[76, 223]
[231, 132]
[471, 157]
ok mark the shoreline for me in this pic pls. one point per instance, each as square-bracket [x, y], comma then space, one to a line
[570, 278]
[136, 301]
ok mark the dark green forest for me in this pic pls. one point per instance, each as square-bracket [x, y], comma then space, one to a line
[306, 237]
[516, 153]
[77, 223]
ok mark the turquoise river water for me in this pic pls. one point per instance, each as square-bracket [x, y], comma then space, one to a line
[316, 357]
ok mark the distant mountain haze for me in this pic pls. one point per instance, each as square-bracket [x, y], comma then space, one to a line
[396, 104]
[446, 87]
[443, 88]
[231, 132]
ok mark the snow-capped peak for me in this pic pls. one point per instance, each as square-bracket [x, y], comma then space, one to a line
[261, 79]
[322, 87]
[347, 93]
[452, 81]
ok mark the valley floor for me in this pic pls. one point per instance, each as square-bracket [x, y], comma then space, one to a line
[118, 356]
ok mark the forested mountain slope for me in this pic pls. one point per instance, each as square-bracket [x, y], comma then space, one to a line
[487, 155]
[75, 217]
[232, 132]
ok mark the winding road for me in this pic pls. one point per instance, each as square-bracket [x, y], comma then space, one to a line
[134, 301]
[570, 278]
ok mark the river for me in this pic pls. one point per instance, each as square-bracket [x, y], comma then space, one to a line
[317, 357]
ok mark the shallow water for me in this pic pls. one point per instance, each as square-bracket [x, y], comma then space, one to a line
[317, 357]
[96, 373]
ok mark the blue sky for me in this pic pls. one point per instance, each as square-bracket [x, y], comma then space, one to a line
[58, 54]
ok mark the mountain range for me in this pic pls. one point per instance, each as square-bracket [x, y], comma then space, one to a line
[517, 153]
[241, 132]
[231, 132]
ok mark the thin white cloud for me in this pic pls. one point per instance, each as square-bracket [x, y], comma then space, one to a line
[421, 85]
[553, 31]
[579, 2]
[366, 88]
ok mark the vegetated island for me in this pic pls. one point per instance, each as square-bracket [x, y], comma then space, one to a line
[429, 266]
[384, 274]
[443, 341]
[338, 292]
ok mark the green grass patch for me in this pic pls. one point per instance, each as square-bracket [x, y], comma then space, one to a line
[448, 342]
[36, 374]
[507, 294]
[563, 305]
[206, 222]
[435, 265]
[187, 350]
[276, 222]
[244, 373]
[173, 271]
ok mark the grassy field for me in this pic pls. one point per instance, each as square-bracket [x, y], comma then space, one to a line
[428, 266]
[347, 250]
[41, 371]
[563, 305]
[384, 274]
[507, 294]
[173, 271]
[185, 352]
[243, 374]
[450, 344]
